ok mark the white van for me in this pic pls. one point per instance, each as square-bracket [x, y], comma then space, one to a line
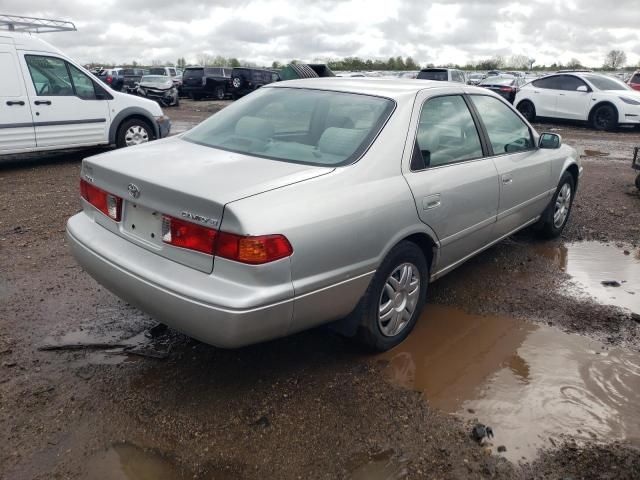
[48, 102]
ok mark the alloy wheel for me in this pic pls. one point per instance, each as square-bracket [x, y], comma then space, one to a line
[563, 204]
[399, 299]
[135, 135]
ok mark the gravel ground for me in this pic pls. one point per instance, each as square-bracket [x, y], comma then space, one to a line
[308, 406]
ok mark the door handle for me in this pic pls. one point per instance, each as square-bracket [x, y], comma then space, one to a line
[19, 102]
[432, 201]
[42, 102]
[507, 179]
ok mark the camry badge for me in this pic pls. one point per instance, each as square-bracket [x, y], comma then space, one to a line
[134, 191]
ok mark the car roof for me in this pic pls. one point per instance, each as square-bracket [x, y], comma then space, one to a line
[24, 41]
[382, 87]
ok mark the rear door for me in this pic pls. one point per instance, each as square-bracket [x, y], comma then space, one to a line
[16, 124]
[68, 108]
[545, 95]
[573, 104]
[455, 186]
[524, 170]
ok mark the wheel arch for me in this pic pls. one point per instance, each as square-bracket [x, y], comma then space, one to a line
[127, 114]
[600, 104]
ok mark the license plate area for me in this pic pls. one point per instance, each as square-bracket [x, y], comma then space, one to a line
[142, 223]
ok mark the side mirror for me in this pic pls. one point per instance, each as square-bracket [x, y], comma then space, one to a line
[582, 88]
[550, 140]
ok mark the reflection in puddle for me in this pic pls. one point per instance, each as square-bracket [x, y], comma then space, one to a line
[380, 466]
[591, 263]
[129, 462]
[530, 383]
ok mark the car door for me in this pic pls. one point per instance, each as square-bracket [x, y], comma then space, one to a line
[69, 109]
[455, 186]
[574, 99]
[16, 124]
[524, 170]
[545, 95]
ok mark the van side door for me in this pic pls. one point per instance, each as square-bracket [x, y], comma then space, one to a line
[17, 133]
[69, 108]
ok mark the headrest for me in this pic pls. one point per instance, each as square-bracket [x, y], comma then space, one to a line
[340, 141]
[254, 127]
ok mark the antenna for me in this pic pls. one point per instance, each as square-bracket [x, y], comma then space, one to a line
[15, 23]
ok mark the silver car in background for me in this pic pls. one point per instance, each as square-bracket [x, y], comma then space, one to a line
[316, 201]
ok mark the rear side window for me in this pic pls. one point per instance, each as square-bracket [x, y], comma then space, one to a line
[548, 82]
[49, 76]
[446, 133]
[9, 80]
[440, 75]
[507, 132]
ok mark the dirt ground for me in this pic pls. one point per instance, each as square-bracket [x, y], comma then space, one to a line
[309, 406]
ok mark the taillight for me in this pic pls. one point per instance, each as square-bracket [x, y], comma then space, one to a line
[506, 89]
[253, 250]
[109, 78]
[109, 204]
[183, 234]
[245, 249]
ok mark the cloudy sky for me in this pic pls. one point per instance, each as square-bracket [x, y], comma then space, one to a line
[457, 31]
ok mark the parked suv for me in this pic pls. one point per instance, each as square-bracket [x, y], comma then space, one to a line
[634, 80]
[201, 82]
[114, 77]
[49, 102]
[246, 80]
[442, 75]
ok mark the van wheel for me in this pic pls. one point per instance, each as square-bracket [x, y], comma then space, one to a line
[394, 299]
[556, 215]
[133, 132]
[220, 93]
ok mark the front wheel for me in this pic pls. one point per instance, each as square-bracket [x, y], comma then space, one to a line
[604, 118]
[133, 132]
[390, 307]
[556, 215]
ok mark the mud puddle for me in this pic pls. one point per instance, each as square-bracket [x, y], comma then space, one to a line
[592, 263]
[126, 461]
[379, 466]
[534, 385]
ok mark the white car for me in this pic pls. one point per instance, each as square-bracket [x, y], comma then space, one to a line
[604, 102]
[49, 102]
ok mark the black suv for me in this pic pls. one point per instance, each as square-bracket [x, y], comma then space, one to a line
[246, 80]
[201, 82]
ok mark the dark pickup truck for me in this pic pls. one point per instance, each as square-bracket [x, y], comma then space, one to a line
[202, 82]
[131, 79]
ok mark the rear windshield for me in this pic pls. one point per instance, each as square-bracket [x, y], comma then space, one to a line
[193, 73]
[440, 75]
[605, 83]
[313, 127]
[498, 81]
[156, 79]
[157, 71]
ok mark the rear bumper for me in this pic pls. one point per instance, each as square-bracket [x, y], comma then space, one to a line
[174, 294]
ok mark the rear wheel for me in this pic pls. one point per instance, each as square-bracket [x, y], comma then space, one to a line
[638, 182]
[394, 299]
[134, 131]
[220, 93]
[556, 215]
[527, 110]
[604, 118]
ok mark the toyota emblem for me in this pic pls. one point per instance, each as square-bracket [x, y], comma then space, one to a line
[134, 191]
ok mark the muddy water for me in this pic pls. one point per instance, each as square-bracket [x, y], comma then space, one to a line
[534, 385]
[591, 263]
[130, 462]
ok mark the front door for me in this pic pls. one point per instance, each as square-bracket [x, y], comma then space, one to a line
[454, 185]
[524, 170]
[16, 125]
[66, 110]
[573, 104]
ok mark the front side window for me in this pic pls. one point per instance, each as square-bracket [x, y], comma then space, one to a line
[307, 126]
[570, 83]
[507, 132]
[49, 76]
[446, 132]
[83, 85]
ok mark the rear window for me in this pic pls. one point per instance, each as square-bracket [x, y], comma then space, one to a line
[635, 78]
[193, 73]
[313, 127]
[440, 75]
[157, 71]
[497, 81]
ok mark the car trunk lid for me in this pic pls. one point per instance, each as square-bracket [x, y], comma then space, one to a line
[186, 181]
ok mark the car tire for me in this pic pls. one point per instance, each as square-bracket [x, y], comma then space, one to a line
[638, 182]
[132, 127]
[220, 93]
[527, 110]
[376, 332]
[177, 102]
[556, 215]
[604, 118]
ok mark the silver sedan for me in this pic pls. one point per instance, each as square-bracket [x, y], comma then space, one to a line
[317, 201]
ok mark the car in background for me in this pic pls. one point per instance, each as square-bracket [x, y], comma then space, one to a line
[475, 78]
[170, 72]
[159, 88]
[114, 77]
[265, 219]
[504, 85]
[634, 80]
[245, 80]
[604, 102]
[206, 82]
[132, 77]
[442, 75]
